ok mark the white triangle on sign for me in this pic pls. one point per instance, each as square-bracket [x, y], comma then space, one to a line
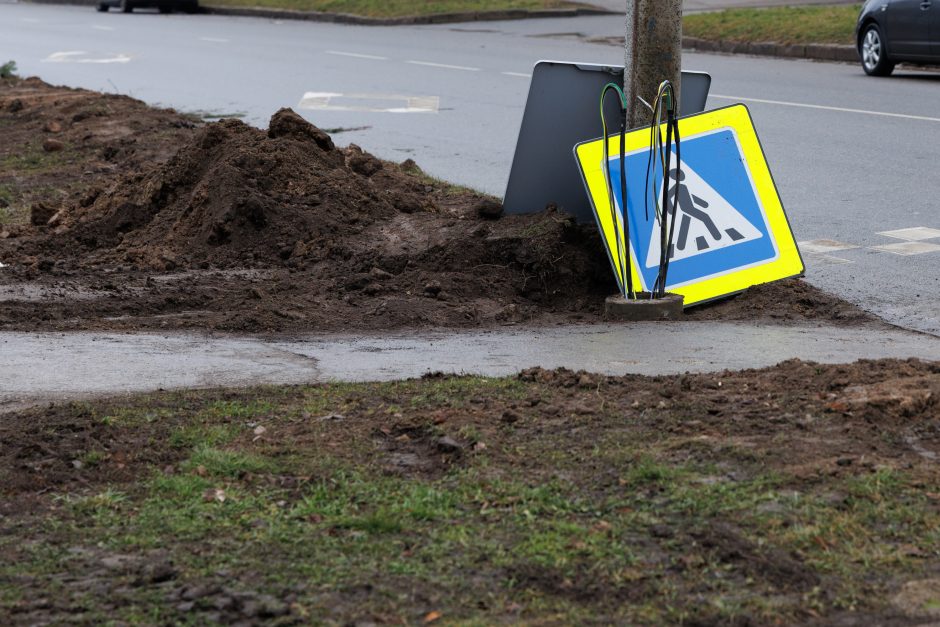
[705, 220]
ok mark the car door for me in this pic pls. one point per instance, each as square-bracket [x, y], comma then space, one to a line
[907, 28]
[934, 31]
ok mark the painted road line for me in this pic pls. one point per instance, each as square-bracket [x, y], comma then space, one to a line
[356, 55]
[804, 105]
[519, 74]
[214, 40]
[823, 246]
[908, 248]
[462, 68]
[827, 260]
[78, 56]
[914, 234]
[374, 103]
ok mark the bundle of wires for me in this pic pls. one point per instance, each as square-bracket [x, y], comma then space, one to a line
[665, 112]
[622, 240]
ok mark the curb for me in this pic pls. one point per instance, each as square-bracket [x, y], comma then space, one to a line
[820, 52]
[439, 18]
[359, 20]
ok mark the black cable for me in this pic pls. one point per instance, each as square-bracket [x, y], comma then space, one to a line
[675, 203]
[628, 270]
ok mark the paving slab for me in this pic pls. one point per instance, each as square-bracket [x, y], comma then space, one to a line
[54, 366]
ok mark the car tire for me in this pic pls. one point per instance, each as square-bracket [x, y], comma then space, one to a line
[873, 53]
[191, 7]
[103, 8]
[127, 6]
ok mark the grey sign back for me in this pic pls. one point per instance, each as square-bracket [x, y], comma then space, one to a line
[563, 110]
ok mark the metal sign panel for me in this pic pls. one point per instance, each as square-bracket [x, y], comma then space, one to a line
[731, 231]
[561, 111]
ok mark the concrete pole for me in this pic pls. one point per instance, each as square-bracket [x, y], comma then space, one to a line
[653, 52]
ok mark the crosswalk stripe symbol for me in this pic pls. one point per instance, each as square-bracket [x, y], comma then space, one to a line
[706, 221]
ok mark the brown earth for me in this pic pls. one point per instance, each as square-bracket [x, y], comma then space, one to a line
[247, 230]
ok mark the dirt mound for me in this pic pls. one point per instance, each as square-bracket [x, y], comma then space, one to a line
[237, 196]
[234, 228]
[59, 142]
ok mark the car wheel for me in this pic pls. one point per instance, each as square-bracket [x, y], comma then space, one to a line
[103, 8]
[127, 6]
[191, 7]
[874, 55]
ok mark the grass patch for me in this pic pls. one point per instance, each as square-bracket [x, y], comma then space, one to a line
[567, 501]
[783, 25]
[400, 8]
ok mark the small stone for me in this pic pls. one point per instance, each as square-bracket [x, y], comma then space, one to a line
[510, 416]
[447, 444]
[40, 214]
[379, 274]
[433, 288]
[489, 209]
[52, 126]
[661, 531]
[56, 219]
[52, 145]
[77, 464]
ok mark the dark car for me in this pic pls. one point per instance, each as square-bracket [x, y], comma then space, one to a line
[164, 6]
[891, 31]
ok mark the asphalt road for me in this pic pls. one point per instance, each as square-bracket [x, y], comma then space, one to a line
[852, 156]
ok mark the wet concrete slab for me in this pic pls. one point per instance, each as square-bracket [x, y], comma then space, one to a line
[51, 366]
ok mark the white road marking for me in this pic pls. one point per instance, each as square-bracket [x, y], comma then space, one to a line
[76, 56]
[908, 248]
[445, 66]
[356, 55]
[804, 105]
[914, 234]
[828, 260]
[214, 40]
[333, 101]
[519, 74]
[821, 246]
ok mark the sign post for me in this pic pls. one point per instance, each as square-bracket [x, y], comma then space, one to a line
[653, 53]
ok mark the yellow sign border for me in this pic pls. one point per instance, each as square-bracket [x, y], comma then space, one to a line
[737, 117]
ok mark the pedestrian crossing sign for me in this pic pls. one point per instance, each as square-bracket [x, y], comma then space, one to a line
[731, 231]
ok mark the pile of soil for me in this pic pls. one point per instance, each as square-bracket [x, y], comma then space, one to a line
[280, 230]
[57, 142]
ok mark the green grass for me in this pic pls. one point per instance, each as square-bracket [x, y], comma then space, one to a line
[399, 8]
[783, 25]
[567, 519]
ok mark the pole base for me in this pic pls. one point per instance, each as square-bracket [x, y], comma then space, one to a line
[616, 307]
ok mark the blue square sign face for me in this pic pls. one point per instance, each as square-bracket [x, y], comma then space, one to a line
[720, 226]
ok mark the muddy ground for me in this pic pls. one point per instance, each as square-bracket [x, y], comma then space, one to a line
[115, 215]
[799, 494]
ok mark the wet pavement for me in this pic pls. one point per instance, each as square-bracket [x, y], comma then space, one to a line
[52, 366]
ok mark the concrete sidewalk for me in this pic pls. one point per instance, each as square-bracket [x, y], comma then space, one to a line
[56, 366]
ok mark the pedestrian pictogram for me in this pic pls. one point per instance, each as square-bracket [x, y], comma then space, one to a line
[731, 231]
[706, 221]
